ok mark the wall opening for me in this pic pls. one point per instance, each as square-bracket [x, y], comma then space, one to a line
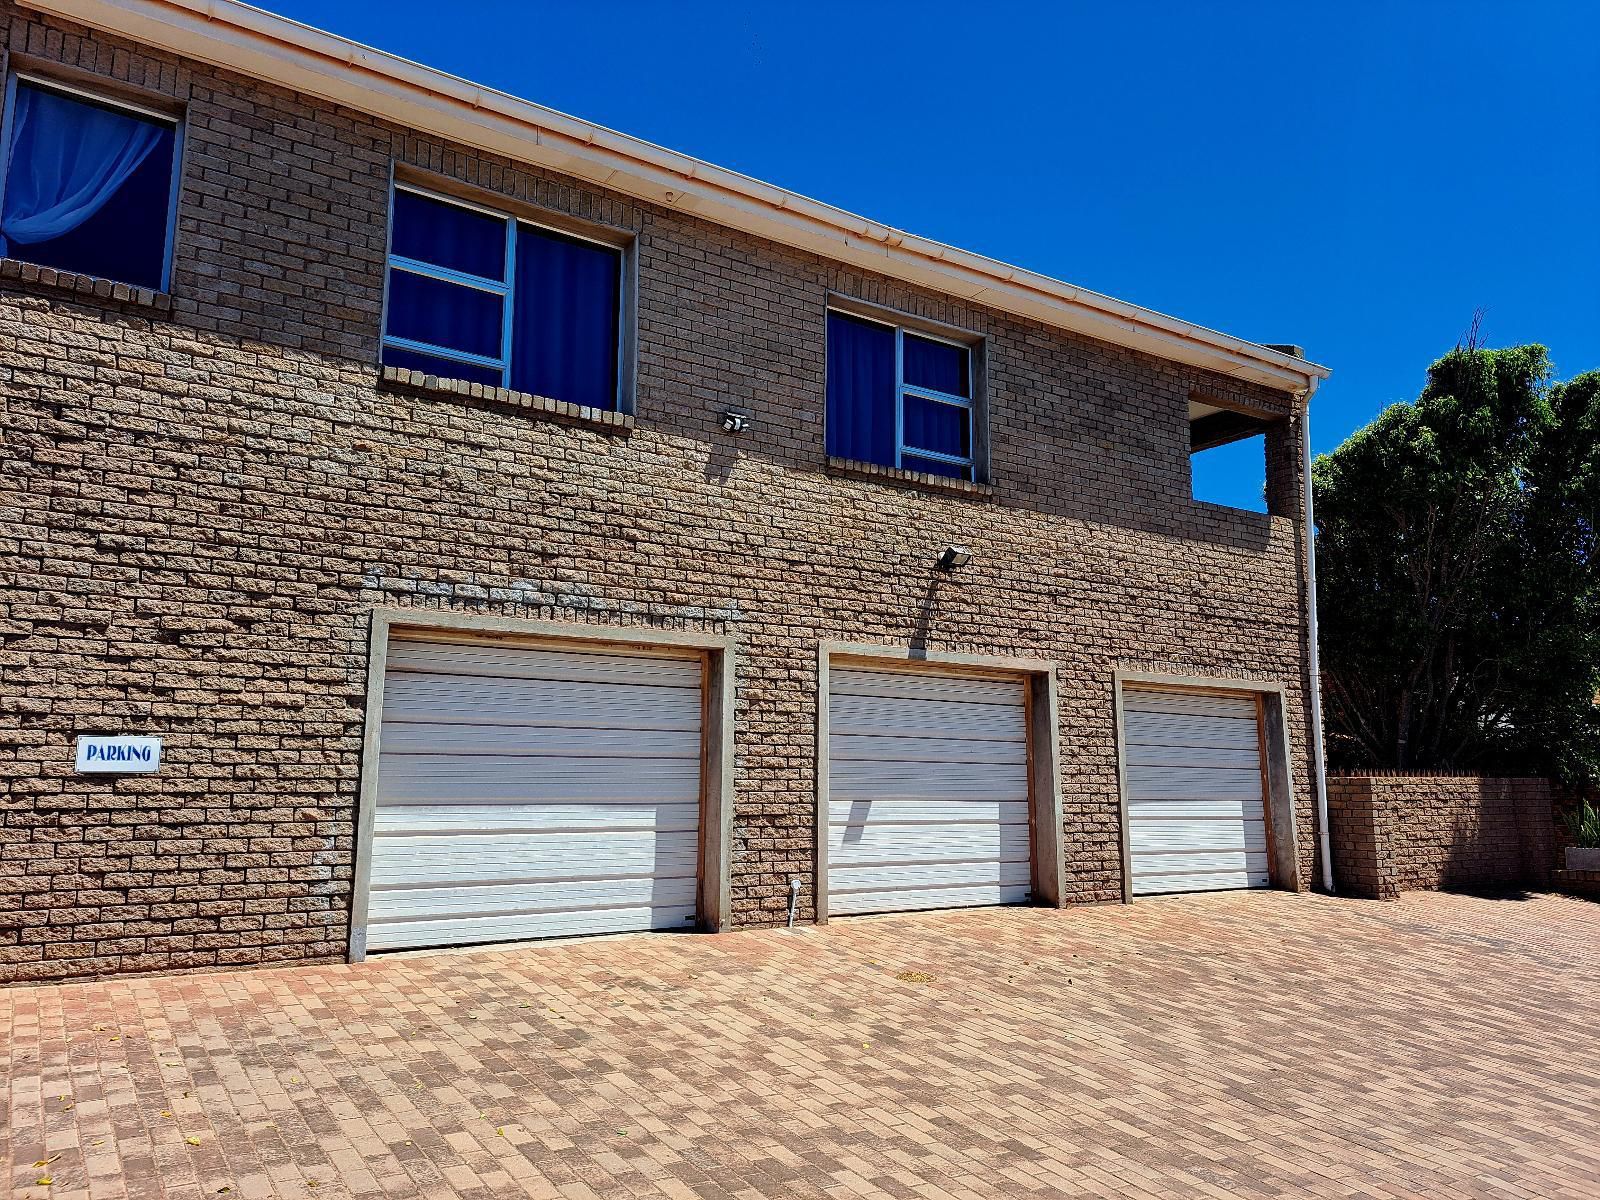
[1233, 474]
[1231, 458]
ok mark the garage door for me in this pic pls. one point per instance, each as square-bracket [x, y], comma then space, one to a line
[528, 793]
[1196, 812]
[927, 791]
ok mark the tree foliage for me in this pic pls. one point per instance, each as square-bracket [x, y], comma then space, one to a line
[1458, 574]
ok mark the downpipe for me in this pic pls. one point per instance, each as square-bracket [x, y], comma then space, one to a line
[1313, 655]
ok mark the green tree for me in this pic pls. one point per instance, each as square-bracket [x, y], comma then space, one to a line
[1458, 578]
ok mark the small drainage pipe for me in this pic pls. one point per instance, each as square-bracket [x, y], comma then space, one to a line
[794, 898]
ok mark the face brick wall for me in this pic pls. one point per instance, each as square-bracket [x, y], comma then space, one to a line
[205, 496]
[1394, 833]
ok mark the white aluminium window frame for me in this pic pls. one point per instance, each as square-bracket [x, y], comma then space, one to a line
[499, 287]
[504, 287]
[902, 389]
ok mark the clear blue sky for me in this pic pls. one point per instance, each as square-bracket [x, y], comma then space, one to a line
[1355, 177]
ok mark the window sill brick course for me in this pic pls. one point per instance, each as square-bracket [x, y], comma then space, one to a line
[399, 378]
[918, 479]
[89, 286]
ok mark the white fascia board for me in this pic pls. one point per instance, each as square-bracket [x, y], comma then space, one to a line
[261, 44]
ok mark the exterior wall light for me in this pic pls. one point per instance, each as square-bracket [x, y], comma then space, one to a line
[735, 420]
[953, 557]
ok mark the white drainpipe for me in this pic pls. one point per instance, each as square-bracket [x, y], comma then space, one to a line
[1313, 657]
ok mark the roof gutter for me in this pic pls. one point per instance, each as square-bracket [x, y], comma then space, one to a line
[260, 44]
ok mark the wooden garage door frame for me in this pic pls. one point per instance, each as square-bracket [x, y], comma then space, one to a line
[714, 899]
[1044, 771]
[1283, 856]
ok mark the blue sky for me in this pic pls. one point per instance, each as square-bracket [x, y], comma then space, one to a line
[1355, 177]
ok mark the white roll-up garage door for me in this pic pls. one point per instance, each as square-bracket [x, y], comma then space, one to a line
[927, 791]
[1196, 811]
[528, 793]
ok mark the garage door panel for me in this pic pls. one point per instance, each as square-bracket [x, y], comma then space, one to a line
[528, 899]
[1193, 756]
[908, 686]
[412, 819]
[928, 811]
[1193, 783]
[423, 737]
[1196, 815]
[1194, 810]
[533, 792]
[924, 719]
[1197, 835]
[1194, 703]
[1177, 862]
[858, 748]
[489, 779]
[853, 781]
[988, 872]
[1201, 881]
[399, 860]
[925, 898]
[463, 700]
[1223, 733]
[928, 791]
[470, 931]
[509, 662]
[861, 845]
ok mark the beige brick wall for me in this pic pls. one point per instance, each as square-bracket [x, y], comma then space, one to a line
[205, 497]
[1394, 833]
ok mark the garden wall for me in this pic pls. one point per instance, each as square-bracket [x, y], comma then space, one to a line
[1394, 833]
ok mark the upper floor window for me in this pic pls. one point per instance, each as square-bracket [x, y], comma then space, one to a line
[478, 295]
[899, 398]
[90, 184]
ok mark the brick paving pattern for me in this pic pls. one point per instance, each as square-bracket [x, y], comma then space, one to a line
[1248, 1045]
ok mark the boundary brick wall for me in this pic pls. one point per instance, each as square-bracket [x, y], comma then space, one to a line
[205, 495]
[1394, 833]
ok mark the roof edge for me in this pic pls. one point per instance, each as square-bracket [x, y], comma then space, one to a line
[254, 42]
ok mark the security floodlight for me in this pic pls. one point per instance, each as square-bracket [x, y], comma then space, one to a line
[953, 557]
[735, 420]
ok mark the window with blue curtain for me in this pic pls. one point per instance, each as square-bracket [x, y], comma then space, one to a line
[478, 295]
[899, 398]
[88, 185]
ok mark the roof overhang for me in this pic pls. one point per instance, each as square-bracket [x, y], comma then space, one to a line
[1210, 426]
[261, 44]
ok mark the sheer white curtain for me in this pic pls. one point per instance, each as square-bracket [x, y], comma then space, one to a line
[67, 158]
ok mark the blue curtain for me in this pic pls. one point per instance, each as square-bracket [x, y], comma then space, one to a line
[448, 235]
[936, 365]
[942, 428]
[861, 390]
[564, 321]
[449, 315]
[67, 160]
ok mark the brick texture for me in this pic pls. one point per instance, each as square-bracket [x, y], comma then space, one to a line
[1394, 833]
[1227, 1047]
[205, 496]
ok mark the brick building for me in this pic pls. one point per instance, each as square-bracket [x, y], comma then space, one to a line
[507, 528]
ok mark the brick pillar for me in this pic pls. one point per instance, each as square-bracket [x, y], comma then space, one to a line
[1360, 840]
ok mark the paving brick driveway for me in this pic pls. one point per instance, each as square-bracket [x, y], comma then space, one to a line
[1231, 1045]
